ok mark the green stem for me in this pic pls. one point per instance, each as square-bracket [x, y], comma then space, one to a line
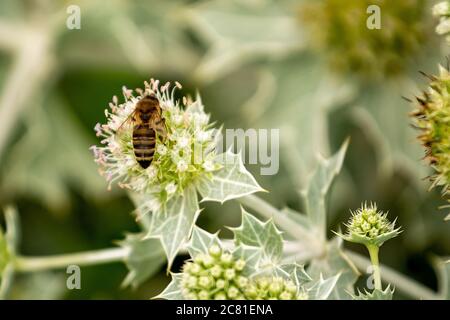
[399, 281]
[32, 264]
[373, 253]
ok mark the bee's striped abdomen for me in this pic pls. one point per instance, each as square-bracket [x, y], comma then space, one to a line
[144, 140]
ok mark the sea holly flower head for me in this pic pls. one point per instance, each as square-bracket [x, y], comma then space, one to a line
[369, 226]
[342, 30]
[432, 117]
[173, 166]
[274, 288]
[214, 275]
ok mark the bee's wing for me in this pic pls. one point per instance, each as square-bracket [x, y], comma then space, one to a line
[126, 125]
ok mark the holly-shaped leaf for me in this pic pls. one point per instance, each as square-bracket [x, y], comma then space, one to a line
[201, 241]
[376, 294]
[173, 290]
[336, 262]
[145, 258]
[173, 222]
[323, 288]
[315, 194]
[230, 182]
[263, 235]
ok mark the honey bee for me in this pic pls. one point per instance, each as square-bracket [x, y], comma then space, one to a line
[148, 124]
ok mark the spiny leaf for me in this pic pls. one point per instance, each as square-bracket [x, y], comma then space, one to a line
[251, 256]
[376, 294]
[201, 241]
[323, 288]
[174, 221]
[230, 182]
[293, 271]
[336, 262]
[173, 290]
[442, 267]
[145, 258]
[315, 193]
[264, 235]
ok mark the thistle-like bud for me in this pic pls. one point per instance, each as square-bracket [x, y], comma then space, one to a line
[432, 117]
[369, 226]
[370, 38]
[273, 288]
[215, 275]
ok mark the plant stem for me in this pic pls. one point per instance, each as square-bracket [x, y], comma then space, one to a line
[87, 258]
[373, 253]
[399, 281]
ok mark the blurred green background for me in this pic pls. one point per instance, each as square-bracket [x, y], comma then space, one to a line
[257, 64]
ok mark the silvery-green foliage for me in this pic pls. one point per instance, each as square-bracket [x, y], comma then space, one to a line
[312, 228]
[259, 246]
[144, 259]
[265, 236]
[376, 294]
[230, 182]
[442, 268]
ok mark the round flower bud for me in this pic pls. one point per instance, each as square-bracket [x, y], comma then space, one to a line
[203, 295]
[239, 265]
[233, 292]
[229, 274]
[226, 259]
[205, 282]
[375, 228]
[220, 296]
[213, 275]
[271, 288]
[216, 271]
[215, 251]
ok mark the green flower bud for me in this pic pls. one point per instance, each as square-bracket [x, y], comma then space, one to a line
[226, 259]
[215, 251]
[239, 265]
[203, 295]
[220, 284]
[233, 292]
[216, 271]
[285, 295]
[274, 288]
[375, 228]
[195, 269]
[207, 278]
[205, 282]
[229, 274]
[220, 296]
[241, 281]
